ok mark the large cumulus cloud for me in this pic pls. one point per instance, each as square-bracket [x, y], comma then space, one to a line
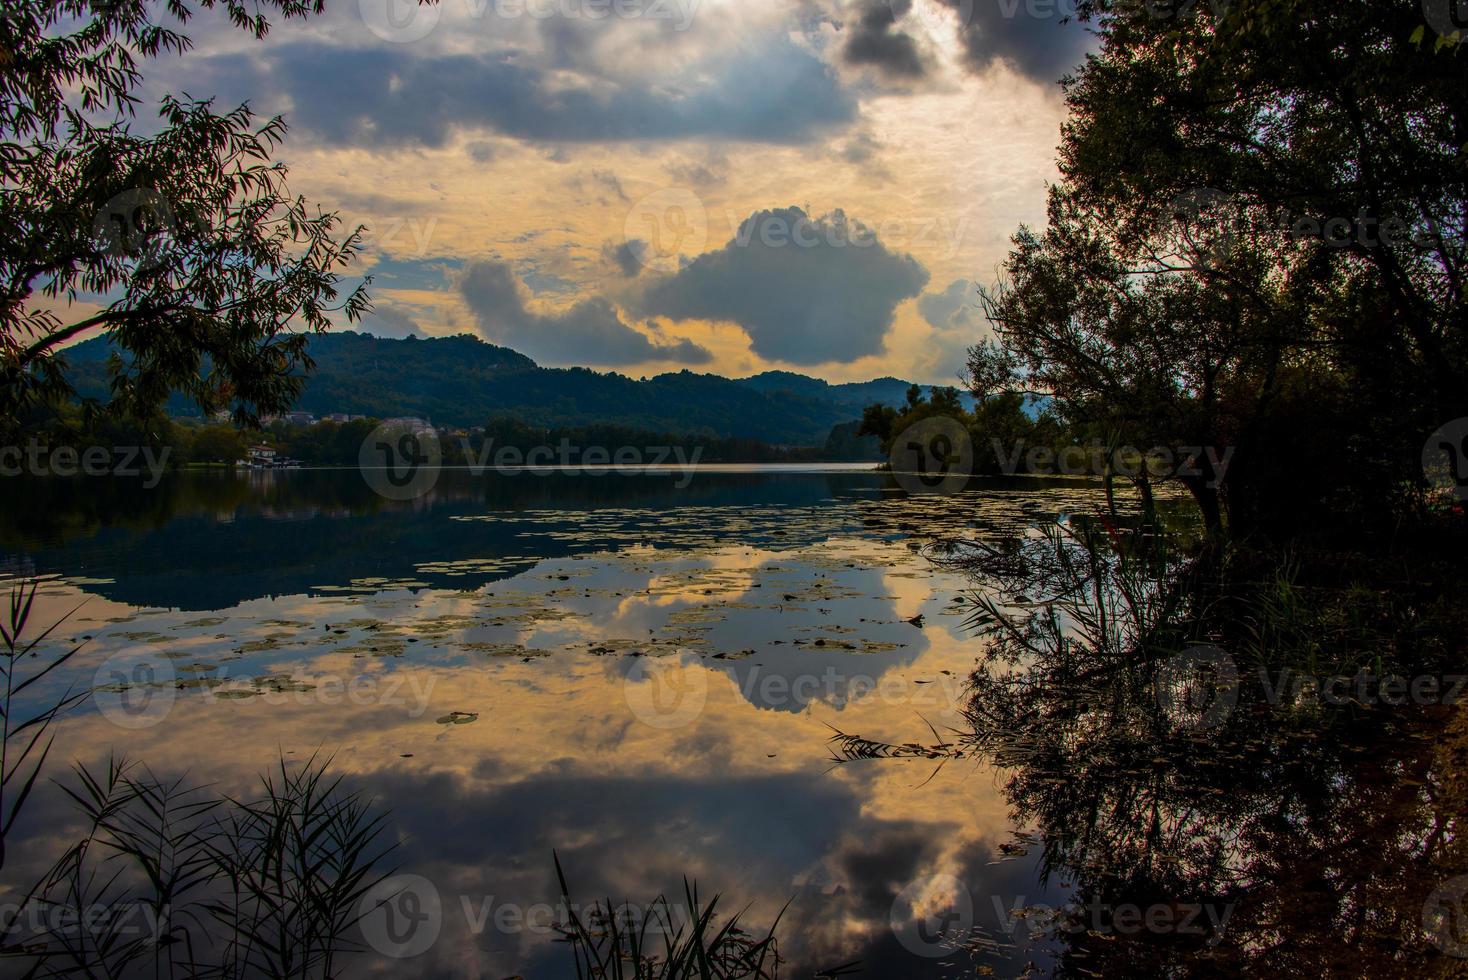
[806, 291]
[591, 332]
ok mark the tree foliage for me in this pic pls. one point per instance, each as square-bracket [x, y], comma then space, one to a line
[999, 427]
[179, 239]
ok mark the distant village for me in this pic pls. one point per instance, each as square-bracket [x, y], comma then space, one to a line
[264, 457]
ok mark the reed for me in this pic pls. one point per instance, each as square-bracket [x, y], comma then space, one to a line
[607, 948]
[171, 880]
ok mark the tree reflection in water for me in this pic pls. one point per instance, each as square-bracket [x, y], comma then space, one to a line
[1153, 715]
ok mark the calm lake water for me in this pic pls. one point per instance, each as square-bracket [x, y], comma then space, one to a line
[638, 677]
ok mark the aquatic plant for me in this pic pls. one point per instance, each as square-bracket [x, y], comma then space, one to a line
[26, 734]
[170, 879]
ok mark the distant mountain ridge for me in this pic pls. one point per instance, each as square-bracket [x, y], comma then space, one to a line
[855, 394]
[464, 381]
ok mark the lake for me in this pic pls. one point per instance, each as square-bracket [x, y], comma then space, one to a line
[638, 677]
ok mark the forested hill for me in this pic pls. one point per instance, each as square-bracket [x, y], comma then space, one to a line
[465, 381]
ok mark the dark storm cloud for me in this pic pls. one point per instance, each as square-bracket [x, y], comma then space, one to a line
[874, 42]
[591, 332]
[384, 98]
[1038, 38]
[806, 291]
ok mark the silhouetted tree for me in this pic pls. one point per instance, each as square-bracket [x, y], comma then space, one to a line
[212, 273]
[1257, 243]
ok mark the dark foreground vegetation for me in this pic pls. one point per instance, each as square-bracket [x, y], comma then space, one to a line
[183, 442]
[1263, 710]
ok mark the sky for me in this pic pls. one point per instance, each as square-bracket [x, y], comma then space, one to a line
[727, 186]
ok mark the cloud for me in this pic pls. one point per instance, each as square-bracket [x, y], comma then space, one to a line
[958, 323]
[861, 148]
[776, 92]
[863, 151]
[391, 322]
[711, 172]
[624, 255]
[873, 42]
[481, 151]
[608, 179]
[955, 308]
[590, 333]
[806, 291]
[1042, 40]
